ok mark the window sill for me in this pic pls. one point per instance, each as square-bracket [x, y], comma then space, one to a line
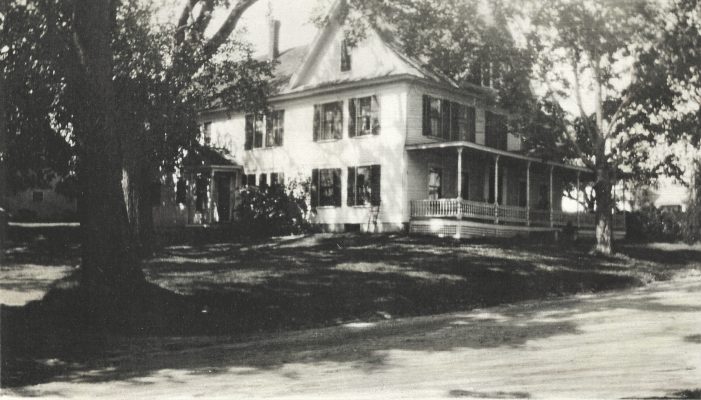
[364, 136]
[326, 207]
[264, 148]
[327, 140]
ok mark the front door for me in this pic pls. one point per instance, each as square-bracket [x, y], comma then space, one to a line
[223, 186]
[435, 176]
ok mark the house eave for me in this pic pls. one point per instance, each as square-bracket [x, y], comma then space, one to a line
[498, 152]
[359, 84]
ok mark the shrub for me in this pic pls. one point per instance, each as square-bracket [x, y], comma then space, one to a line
[275, 210]
[652, 224]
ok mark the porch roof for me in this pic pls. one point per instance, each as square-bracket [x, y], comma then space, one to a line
[487, 149]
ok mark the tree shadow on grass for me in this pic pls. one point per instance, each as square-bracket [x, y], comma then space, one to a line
[206, 295]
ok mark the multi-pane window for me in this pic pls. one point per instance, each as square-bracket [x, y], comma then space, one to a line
[255, 127]
[263, 181]
[465, 117]
[37, 196]
[345, 56]
[364, 185]
[364, 116]
[448, 120]
[432, 121]
[260, 126]
[326, 187]
[328, 121]
[275, 128]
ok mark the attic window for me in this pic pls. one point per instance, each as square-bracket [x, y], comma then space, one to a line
[345, 55]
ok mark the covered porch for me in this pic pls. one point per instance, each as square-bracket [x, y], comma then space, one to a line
[498, 193]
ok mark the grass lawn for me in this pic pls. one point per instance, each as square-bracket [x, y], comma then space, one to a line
[240, 289]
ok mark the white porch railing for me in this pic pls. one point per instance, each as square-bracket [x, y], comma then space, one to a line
[457, 208]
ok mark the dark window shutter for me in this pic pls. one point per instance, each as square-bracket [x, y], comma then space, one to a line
[350, 199]
[248, 145]
[376, 180]
[317, 121]
[471, 124]
[338, 120]
[280, 128]
[426, 115]
[337, 187]
[445, 119]
[314, 189]
[351, 118]
[454, 115]
[269, 138]
[375, 110]
[263, 181]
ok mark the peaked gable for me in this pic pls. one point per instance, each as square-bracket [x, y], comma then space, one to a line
[371, 58]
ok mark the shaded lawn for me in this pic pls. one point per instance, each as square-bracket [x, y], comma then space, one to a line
[244, 288]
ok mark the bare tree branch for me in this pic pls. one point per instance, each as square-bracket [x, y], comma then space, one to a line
[204, 17]
[182, 21]
[227, 27]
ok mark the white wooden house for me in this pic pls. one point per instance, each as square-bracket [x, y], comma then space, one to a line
[388, 144]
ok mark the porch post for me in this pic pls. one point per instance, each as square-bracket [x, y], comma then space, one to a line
[578, 199]
[528, 194]
[459, 196]
[211, 197]
[496, 189]
[552, 223]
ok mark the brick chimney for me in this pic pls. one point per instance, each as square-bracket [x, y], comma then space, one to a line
[274, 39]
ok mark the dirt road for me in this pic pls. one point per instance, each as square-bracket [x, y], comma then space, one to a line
[638, 343]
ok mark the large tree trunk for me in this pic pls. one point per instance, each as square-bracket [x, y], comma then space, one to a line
[137, 186]
[3, 168]
[109, 258]
[604, 207]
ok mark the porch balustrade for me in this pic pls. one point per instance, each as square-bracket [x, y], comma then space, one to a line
[457, 208]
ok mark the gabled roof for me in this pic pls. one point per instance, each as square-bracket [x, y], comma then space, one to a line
[202, 156]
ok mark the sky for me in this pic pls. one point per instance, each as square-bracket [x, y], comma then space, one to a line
[294, 15]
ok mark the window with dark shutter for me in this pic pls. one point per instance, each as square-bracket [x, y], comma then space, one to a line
[259, 129]
[432, 117]
[263, 181]
[275, 122]
[364, 115]
[363, 185]
[328, 121]
[471, 124]
[326, 187]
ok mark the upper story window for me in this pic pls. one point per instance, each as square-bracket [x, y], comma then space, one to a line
[207, 133]
[496, 131]
[345, 56]
[275, 128]
[364, 185]
[364, 116]
[448, 120]
[326, 187]
[270, 127]
[328, 121]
